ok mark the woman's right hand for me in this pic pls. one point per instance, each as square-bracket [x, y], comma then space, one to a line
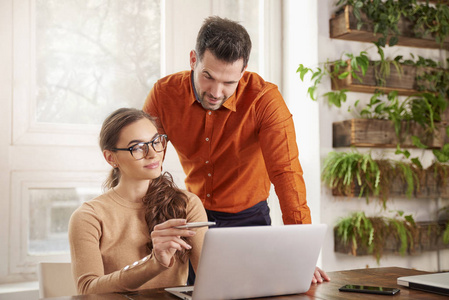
[167, 240]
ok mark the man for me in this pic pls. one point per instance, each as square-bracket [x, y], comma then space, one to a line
[232, 131]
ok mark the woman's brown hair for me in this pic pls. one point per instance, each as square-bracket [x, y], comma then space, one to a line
[163, 199]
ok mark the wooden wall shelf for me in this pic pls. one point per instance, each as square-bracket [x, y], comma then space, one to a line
[403, 82]
[428, 189]
[429, 239]
[381, 134]
[344, 26]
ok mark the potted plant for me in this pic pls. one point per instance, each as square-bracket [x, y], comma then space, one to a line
[418, 120]
[373, 235]
[406, 22]
[356, 174]
[358, 234]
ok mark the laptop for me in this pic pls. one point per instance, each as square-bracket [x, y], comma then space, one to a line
[258, 261]
[433, 283]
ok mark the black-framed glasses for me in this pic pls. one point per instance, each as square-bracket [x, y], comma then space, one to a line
[140, 150]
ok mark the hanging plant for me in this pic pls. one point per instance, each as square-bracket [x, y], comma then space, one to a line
[343, 171]
[371, 233]
[424, 108]
[385, 18]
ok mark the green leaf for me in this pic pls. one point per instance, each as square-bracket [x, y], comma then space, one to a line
[311, 92]
[343, 75]
[417, 142]
[441, 156]
[302, 71]
[417, 162]
[316, 74]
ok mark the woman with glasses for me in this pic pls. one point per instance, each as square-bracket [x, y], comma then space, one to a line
[126, 238]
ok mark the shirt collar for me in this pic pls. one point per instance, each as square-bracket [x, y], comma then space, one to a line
[229, 104]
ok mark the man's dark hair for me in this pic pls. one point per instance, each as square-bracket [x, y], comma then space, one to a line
[226, 39]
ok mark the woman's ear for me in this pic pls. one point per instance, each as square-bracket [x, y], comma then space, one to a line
[110, 158]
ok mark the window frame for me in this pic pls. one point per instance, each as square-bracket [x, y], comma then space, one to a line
[21, 183]
[37, 155]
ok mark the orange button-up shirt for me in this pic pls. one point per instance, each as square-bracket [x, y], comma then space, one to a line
[230, 155]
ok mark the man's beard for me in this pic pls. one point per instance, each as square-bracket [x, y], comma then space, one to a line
[207, 105]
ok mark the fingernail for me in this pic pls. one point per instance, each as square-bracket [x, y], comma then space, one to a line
[192, 232]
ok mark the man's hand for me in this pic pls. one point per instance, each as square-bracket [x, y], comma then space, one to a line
[319, 276]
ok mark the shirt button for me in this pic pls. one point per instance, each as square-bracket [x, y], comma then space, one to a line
[209, 174]
[207, 161]
[209, 113]
[207, 139]
[208, 195]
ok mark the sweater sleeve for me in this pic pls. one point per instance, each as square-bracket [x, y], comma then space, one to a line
[85, 231]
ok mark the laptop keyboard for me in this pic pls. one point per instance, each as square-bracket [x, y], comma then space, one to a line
[188, 293]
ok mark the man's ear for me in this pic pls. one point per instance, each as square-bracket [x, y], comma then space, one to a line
[110, 157]
[193, 59]
[243, 71]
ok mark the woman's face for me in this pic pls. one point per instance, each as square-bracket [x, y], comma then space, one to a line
[149, 167]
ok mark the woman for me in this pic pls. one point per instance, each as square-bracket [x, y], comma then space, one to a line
[125, 239]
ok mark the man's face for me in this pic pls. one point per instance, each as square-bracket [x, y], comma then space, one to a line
[215, 80]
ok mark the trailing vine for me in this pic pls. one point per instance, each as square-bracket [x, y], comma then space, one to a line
[385, 16]
[425, 107]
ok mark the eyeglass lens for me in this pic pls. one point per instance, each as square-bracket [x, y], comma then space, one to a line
[140, 150]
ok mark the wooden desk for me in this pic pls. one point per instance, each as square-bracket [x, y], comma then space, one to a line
[328, 290]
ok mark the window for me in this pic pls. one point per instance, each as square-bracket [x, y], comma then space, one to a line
[75, 62]
[94, 56]
[50, 209]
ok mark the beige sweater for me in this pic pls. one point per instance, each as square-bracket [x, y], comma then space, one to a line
[108, 238]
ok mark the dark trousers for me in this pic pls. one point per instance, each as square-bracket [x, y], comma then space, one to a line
[257, 215]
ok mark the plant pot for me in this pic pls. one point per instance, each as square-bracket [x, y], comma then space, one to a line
[403, 82]
[433, 186]
[344, 26]
[381, 134]
[397, 188]
[429, 238]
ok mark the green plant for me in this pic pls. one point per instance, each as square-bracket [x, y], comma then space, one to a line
[335, 69]
[343, 170]
[372, 232]
[431, 76]
[445, 210]
[384, 16]
[431, 20]
[442, 155]
[354, 228]
[446, 234]
[424, 108]
[393, 109]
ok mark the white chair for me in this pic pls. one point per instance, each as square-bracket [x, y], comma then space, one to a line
[55, 279]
